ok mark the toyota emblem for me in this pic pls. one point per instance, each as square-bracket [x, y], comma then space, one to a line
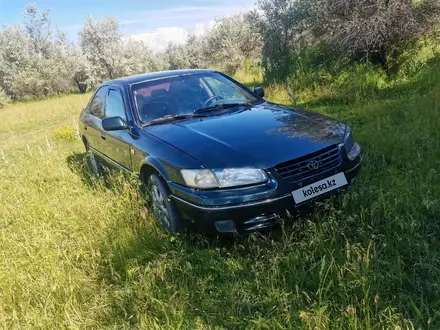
[313, 165]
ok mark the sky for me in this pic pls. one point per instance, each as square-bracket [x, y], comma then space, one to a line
[155, 22]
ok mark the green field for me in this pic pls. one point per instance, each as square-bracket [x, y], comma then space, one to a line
[79, 251]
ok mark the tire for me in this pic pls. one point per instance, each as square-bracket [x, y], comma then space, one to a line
[163, 207]
[91, 160]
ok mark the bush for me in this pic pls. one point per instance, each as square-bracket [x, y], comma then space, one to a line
[377, 30]
[66, 133]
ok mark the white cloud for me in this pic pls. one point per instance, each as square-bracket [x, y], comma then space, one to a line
[161, 37]
[202, 28]
[157, 28]
[168, 23]
[184, 15]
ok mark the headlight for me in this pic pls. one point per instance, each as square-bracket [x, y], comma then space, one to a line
[352, 148]
[224, 178]
[203, 179]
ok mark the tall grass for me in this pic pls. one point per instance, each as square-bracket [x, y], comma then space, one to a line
[80, 251]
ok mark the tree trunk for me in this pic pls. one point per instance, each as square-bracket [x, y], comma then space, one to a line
[82, 86]
[383, 59]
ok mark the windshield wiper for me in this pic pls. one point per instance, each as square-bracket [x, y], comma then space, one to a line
[221, 106]
[196, 113]
[167, 118]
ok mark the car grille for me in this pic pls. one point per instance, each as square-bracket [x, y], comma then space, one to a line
[298, 169]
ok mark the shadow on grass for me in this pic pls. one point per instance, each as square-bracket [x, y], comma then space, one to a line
[156, 280]
[79, 165]
[182, 280]
[191, 278]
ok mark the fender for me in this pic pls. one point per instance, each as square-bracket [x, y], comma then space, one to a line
[156, 164]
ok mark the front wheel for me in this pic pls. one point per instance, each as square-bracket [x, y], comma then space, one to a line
[163, 208]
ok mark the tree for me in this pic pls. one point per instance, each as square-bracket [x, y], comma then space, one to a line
[176, 57]
[4, 99]
[80, 69]
[138, 58]
[232, 40]
[101, 43]
[281, 24]
[377, 30]
[374, 29]
[227, 45]
[33, 60]
[14, 59]
[195, 49]
[38, 27]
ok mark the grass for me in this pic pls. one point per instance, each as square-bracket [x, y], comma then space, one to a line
[79, 251]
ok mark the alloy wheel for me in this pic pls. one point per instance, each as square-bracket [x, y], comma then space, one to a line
[160, 209]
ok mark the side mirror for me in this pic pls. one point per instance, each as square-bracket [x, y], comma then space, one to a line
[113, 124]
[259, 91]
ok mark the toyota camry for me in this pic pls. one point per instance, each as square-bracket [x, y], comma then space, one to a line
[214, 154]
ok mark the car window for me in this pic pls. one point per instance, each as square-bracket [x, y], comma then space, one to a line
[115, 105]
[182, 95]
[151, 89]
[97, 105]
[220, 88]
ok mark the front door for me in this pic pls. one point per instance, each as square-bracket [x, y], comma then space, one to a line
[116, 144]
[93, 119]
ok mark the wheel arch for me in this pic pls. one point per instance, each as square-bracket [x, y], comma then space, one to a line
[151, 165]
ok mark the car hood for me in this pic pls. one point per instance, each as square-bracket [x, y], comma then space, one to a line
[261, 136]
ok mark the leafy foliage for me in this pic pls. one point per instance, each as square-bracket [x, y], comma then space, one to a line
[280, 24]
[33, 62]
[100, 42]
[231, 41]
[227, 45]
[4, 99]
[66, 132]
[376, 29]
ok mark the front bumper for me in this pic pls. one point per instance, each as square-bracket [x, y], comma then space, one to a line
[239, 214]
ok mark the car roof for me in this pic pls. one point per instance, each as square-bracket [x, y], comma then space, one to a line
[153, 75]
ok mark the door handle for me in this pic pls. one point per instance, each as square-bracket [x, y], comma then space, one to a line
[103, 137]
[85, 127]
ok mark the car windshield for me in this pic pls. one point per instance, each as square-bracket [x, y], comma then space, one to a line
[183, 95]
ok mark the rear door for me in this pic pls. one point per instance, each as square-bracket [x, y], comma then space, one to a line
[93, 119]
[116, 144]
